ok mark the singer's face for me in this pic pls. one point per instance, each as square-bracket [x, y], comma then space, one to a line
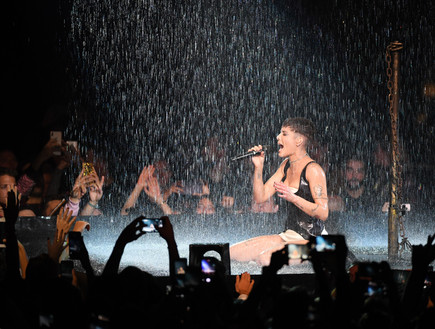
[287, 141]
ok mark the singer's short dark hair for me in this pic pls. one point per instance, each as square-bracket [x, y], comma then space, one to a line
[301, 126]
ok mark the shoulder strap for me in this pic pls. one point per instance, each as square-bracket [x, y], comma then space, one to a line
[287, 165]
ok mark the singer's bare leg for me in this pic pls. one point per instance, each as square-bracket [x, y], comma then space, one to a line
[259, 249]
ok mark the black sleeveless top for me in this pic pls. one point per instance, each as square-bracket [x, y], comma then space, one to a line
[297, 220]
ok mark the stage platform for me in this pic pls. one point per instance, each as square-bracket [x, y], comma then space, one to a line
[366, 237]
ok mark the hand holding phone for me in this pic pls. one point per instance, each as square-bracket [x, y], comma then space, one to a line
[75, 244]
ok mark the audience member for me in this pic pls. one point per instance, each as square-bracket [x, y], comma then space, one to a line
[268, 206]
[155, 181]
[354, 198]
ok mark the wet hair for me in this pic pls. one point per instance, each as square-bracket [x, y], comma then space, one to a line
[355, 157]
[301, 126]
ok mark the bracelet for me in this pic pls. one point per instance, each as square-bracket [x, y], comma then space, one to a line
[93, 206]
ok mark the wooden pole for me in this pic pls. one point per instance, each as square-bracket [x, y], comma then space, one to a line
[393, 244]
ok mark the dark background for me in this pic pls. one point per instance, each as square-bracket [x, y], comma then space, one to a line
[44, 81]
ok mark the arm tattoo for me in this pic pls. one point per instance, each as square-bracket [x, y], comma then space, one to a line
[259, 176]
[298, 205]
[318, 191]
[315, 208]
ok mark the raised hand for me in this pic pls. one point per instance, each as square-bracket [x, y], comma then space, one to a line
[166, 231]
[79, 188]
[56, 246]
[278, 259]
[132, 231]
[422, 256]
[96, 188]
[152, 188]
[64, 222]
[244, 283]
[177, 187]
[12, 206]
[143, 177]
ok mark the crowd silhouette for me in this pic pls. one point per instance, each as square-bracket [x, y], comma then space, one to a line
[51, 294]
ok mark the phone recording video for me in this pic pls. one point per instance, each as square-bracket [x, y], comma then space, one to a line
[66, 267]
[298, 251]
[57, 136]
[151, 224]
[180, 270]
[208, 268]
[326, 243]
[74, 243]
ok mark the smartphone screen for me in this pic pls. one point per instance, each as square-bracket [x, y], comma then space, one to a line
[298, 251]
[75, 242]
[150, 224]
[57, 135]
[180, 266]
[207, 266]
[325, 243]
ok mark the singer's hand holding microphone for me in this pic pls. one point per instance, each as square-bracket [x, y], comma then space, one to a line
[253, 151]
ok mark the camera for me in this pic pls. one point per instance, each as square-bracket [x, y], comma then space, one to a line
[75, 244]
[298, 251]
[150, 224]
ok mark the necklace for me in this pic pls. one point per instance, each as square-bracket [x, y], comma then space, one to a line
[297, 159]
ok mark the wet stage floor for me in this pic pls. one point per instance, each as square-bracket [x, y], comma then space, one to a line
[367, 239]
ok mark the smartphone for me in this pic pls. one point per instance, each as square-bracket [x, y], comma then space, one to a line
[180, 270]
[375, 289]
[298, 251]
[150, 224]
[75, 242]
[88, 168]
[57, 135]
[368, 271]
[326, 243]
[66, 267]
[208, 266]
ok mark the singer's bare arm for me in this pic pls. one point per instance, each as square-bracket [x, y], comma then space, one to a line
[262, 192]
